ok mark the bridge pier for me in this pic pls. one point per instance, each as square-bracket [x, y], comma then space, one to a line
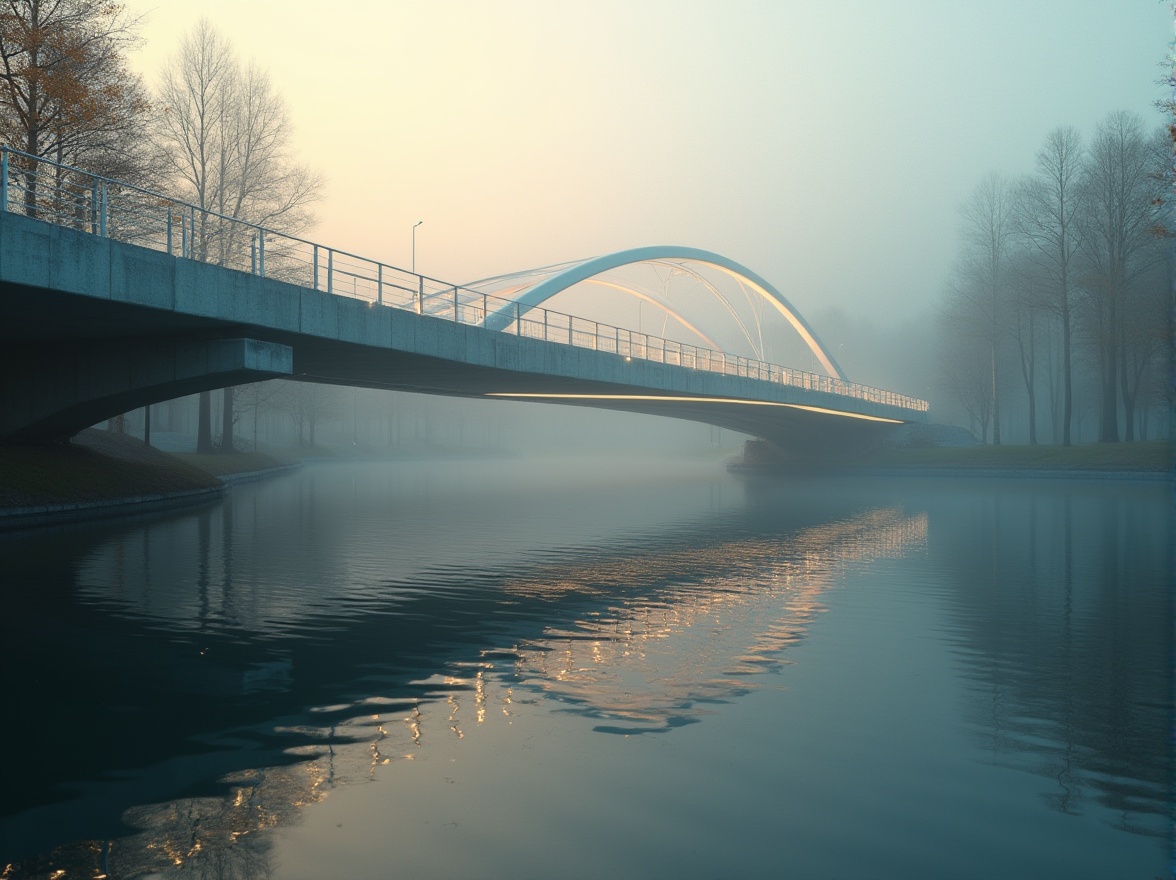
[49, 393]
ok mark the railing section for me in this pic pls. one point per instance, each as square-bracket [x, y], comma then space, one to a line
[71, 197]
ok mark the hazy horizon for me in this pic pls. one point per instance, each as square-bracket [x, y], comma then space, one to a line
[825, 147]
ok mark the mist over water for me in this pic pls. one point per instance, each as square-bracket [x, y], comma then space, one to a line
[565, 667]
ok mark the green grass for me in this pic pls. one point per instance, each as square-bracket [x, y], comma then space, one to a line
[1150, 456]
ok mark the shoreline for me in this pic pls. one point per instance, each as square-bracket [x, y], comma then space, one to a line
[105, 460]
[965, 473]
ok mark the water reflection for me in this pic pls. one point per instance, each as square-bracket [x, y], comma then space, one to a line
[231, 666]
[1063, 619]
[698, 621]
[711, 617]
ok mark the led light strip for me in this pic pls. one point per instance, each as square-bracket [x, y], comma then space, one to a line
[675, 399]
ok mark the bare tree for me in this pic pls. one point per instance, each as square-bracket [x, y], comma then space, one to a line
[256, 396]
[309, 404]
[1120, 194]
[226, 133]
[1028, 294]
[964, 364]
[1145, 338]
[982, 274]
[1046, 218]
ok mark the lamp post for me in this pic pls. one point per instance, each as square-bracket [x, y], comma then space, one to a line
[414, 226]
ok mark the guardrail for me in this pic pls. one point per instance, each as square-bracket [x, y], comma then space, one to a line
[73, 197]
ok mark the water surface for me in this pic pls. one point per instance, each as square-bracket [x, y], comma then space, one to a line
[563, 669]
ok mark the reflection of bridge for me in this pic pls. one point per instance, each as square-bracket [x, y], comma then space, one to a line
[114, 298]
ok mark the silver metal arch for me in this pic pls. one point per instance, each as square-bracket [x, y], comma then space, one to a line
[574, 274]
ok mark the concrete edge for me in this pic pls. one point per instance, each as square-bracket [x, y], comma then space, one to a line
[58, 514]
[14, 518]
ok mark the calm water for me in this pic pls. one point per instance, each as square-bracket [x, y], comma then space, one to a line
[588, 668]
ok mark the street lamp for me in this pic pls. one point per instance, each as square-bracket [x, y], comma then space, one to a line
[415, 225]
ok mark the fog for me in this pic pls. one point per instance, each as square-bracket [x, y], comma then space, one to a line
[326, 419]
[826, 146]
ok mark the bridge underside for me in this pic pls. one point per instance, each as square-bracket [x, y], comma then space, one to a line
[801, 430]
[90, 328]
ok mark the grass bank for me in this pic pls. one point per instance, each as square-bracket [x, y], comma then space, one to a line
[1152, 456]
[100, 473]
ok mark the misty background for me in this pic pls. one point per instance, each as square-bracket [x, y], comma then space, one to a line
[832, 148]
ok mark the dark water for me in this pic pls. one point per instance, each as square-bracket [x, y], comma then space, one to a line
[585, 669]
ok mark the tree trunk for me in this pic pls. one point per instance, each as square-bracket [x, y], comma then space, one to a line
[227, 420]
[995, 401]
[1108, 425]
[204, 423]
[1068, 394]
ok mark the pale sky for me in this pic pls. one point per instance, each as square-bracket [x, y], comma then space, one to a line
[825, 145]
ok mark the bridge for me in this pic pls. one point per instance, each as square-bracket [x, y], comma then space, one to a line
[113, 297]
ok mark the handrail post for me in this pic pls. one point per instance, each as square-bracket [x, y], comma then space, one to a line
[253, 254]
[315, 285]
[456, 315]
[94, 206]
[3, 178]
[420, 298]
[261, 252]
[379, 284]
[485, 308]
[102, 222]
[330, 270]
[169, 230]
[518, 319]
[545, 339]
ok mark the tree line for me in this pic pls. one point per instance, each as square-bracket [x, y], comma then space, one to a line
[1060, 301]
[215, 132]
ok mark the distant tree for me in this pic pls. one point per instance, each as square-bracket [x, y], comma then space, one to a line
[964, 366]
[1028, 297]
[1145, 338]
[256, 396]
[1046, 218]
[309, 404]
[1120, 198]
[982, 274]
[66, 92]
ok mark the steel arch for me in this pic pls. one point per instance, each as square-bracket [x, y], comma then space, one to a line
[538, 294]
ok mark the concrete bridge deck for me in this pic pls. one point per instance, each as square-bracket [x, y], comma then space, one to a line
[91, 327]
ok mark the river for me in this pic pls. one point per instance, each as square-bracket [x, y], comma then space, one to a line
[585, 668]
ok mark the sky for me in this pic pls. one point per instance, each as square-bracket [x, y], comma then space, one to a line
[825, 145]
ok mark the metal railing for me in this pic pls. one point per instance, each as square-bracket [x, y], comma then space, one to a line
[72, 197]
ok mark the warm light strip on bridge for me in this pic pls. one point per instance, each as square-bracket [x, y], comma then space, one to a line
[679, 399]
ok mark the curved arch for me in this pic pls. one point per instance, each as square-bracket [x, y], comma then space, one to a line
[575, 273]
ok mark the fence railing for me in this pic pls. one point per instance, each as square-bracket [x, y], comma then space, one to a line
[72, 197]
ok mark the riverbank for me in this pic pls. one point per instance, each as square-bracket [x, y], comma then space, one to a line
[1149, 460]
[101, 474]
[1140, 460]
